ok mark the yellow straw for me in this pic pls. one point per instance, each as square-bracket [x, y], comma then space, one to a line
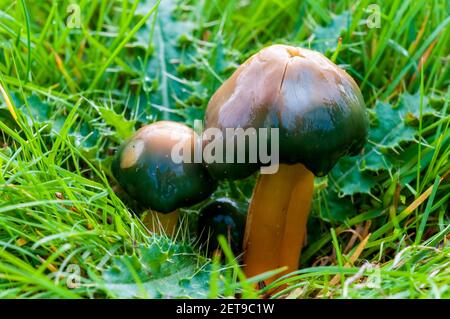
[8, 102]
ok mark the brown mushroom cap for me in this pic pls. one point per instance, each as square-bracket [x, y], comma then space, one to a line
[144, 167]
[316, 105]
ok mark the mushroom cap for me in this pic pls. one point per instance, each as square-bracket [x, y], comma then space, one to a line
[317, 107]
[222, 217]
[144, 167]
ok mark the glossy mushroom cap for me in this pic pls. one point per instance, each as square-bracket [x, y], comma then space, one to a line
[144, 167]
[316, 105]
[222, 217]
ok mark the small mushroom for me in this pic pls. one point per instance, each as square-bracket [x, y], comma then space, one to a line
[221, 217]
[145, 168]
[320, 114]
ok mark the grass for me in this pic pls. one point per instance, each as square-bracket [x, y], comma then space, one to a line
[71, 95]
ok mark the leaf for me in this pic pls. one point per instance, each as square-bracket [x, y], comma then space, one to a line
[123, 127]
[391, 126]
[161, 270]
[331, 207]
[170, 43]
[40, 111]
[348, 178]
[123, 269]
[85, 136]
[139, 105]
[410, 105]
[326, 38]
[35, 110]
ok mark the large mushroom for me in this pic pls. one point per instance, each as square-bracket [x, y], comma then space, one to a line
[146, 168]
[320, 115]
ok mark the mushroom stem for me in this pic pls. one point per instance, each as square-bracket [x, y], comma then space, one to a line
[276, 221]
[161, 223]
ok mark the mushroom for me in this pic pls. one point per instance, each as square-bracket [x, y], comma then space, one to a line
[320, 115]
[222, 217]
[144, 166]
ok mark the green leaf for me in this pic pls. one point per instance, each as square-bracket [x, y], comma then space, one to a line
[123, 268]
[40, 111]
[161, 270]
[171, 49]
[85, 136]
[331, 207]
[154, 256]
[410, 105]
[123, 127]
[391, 126]
[326, 38]
[348, 178]
[35, 110]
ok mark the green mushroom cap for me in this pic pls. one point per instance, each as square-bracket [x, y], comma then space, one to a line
[317, 107]
[145, 168]
[222, 217]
